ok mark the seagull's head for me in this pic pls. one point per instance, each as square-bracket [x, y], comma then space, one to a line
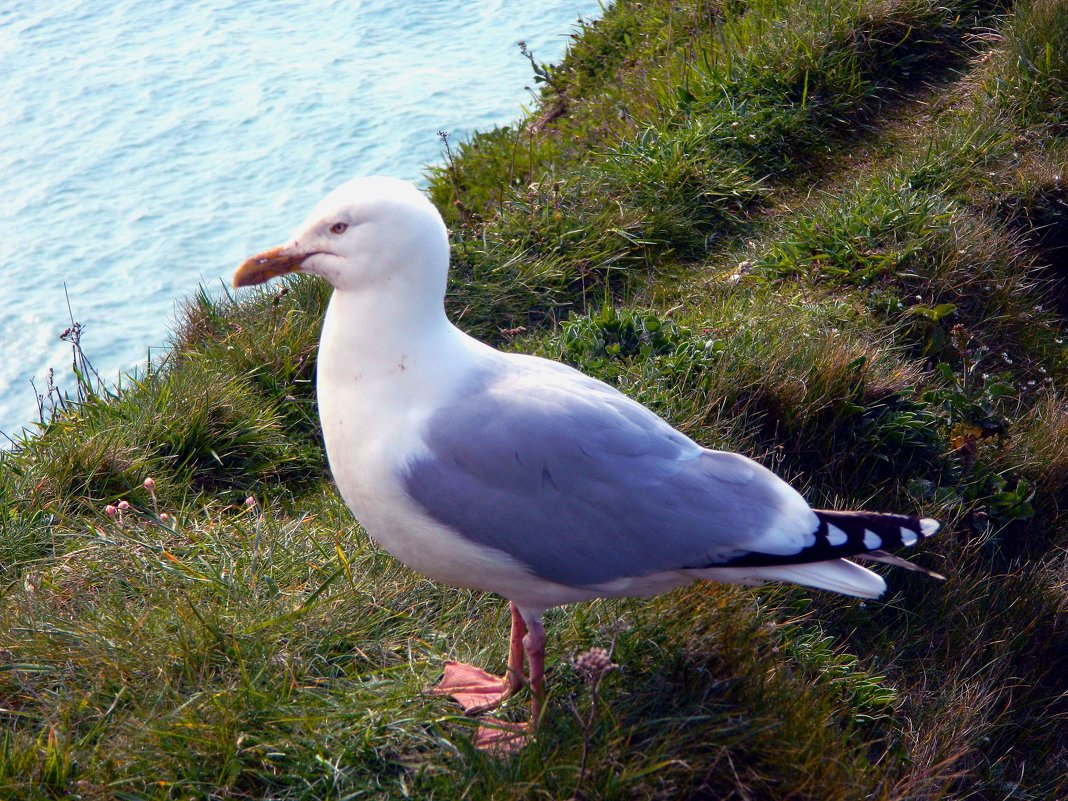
[368, 233]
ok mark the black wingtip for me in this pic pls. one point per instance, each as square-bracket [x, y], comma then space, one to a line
[840, 535]
[864, 532]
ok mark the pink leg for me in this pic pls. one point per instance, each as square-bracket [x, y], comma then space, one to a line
[515, 650]
[502, 737]
[534, 643]
[478, 691]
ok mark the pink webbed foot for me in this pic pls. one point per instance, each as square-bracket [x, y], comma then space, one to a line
[478, 691]
[473, 688]
[502, 737]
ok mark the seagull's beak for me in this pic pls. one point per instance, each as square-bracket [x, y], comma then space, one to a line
[267, 265]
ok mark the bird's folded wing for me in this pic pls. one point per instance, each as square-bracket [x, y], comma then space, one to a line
[584, 486]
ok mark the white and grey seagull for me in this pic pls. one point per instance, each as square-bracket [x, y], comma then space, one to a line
[520, 475]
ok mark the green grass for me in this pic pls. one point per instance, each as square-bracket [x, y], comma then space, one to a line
[708, 111]
[828, 234]
[1031, 79]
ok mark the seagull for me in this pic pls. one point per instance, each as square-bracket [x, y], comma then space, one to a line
[523, 476]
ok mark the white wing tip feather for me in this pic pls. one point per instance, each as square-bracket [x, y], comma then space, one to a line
[929, 526]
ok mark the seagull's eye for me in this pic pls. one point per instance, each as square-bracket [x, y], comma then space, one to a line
[339, 228]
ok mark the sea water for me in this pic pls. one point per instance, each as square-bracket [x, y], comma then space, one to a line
[147, 148]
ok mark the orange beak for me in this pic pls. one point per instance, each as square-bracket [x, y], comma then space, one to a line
[267, 265]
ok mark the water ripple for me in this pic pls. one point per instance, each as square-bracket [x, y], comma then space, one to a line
[150, 147]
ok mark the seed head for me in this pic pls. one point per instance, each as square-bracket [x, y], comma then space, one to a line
[961, 336]
[594, 663]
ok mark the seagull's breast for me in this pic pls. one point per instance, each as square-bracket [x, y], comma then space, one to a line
[374, 412]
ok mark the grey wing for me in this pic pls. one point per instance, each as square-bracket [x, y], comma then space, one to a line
[584, 486]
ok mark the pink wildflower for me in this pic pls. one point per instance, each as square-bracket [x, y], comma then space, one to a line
[110, 510]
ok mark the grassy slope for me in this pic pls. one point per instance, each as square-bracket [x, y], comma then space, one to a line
[830, 234]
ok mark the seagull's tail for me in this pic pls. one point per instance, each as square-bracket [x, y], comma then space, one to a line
[823, 565]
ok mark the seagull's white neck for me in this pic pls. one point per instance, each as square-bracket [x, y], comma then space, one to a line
[381, 369]
[383, 333]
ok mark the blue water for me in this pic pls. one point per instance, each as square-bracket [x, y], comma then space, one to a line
[146, 148]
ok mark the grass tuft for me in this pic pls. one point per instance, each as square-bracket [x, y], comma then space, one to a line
[1031, 80]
